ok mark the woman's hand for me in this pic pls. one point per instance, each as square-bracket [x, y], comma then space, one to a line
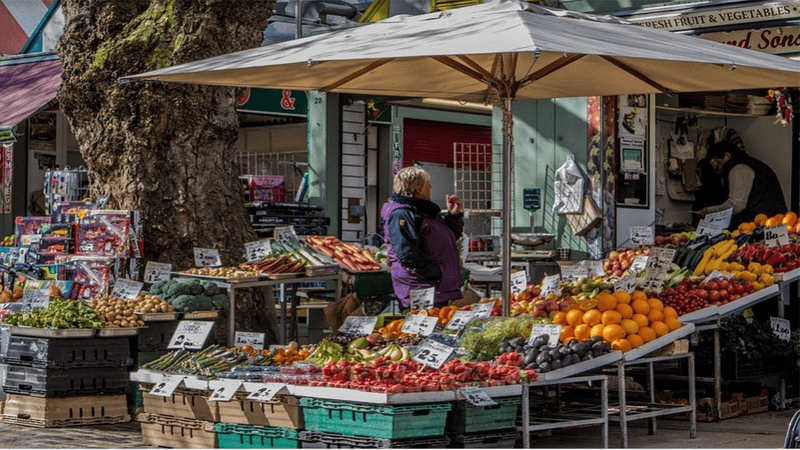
[453, 204]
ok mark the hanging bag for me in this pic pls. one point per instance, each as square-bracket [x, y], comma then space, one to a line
[568, 188]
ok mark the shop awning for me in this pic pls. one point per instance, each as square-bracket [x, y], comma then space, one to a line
[27, 85]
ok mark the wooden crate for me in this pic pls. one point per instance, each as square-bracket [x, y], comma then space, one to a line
[759, 403]
[283, 411]
[678, 347]
[184, 403]
[172, 432]
[65, 412]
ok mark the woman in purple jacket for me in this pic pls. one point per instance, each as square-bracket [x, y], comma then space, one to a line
[421, 240]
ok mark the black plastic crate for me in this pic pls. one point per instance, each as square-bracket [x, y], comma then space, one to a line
[490, 439]
[68, 353]
[315, 439]
[66, 382]
[156, 336]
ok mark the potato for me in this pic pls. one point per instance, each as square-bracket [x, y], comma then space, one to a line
[140, 322]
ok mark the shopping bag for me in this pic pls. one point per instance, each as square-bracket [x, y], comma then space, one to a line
[568, 188]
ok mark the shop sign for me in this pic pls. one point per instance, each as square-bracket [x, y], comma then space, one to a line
[775, 40]
[8, 170]
[776, 235]
[257, 250]
[693, 20]
[274, 101]
[207, 257]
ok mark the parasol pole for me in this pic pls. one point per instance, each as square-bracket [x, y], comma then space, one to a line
[508, 144]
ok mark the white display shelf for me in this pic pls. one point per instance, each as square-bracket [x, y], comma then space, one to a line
[706, 314]
[152, 376]
[650, 347]
[581, 367]
[788, 277]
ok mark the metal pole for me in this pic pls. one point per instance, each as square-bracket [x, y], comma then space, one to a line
[298, 19]
[508, 123]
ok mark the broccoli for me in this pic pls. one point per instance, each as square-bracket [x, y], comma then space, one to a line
[194, 287]
[185, 303]
[210, 288]
[204, 303]
[220, 301]
[158, 287]
[175, 289]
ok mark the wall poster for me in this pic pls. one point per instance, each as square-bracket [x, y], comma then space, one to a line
[632, 164]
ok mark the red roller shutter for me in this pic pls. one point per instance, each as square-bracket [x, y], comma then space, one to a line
[431, 141]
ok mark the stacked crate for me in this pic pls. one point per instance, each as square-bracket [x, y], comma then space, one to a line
[55, 382]
[471, 426]
[253, 424]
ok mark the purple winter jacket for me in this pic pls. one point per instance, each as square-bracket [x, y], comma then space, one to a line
[422, 247]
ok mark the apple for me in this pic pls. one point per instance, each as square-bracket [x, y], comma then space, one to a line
[613, 256]
[625, 265]
[619, 273]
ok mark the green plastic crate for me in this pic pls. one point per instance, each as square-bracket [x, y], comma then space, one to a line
[249, 436]
[134, 397]
[465, 418]
[381, 421]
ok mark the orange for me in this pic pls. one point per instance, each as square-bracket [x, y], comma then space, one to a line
[606, 302]
[638, 295]
[597, 330]
[569, 339]
[655, 316]
[655, 304]
[641, 306]
[635, 340]
[647, 334]
[588, 304]
[622, 297]
[778, 217]
[611, 317]
[669, 311]
[790, 219]
[592, 317]
[566, 334]
[625, 310]
[760, 219]
[575, 317]
[613, 332]
[660, 328]
[630, 326]
[560, 318]
[622, 345]
[640, 320]
[582, 332]
[771, 222]
[573, 306]
[672, 323]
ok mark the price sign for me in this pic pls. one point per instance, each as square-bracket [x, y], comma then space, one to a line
[477, 396]
[519, 281]
[154, 271]
[255, 340]
[190, 335]
[126, 289]
[421, 325]
[654, 281]
[358, 325]
[422, 299]
[225, 392]
[639, 264]
[35, 298]
[626, 283]
[594, 268]
[574, 273]
[433, 354]
[483, 310]
[714, 223]
[776, 235]
[257, 250]
[207, 257]
[551, 330]
[550, 285]
[263, 392]
[660, 259]
[459, 320]
[717, 274]
[641, 235]
[781, 327]
[284, 234]
[167, 386]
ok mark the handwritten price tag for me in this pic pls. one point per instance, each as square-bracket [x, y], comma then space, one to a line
[639, 264]
[550, 285]
[225, 392]
[167, 386]
[257, 250]
[421, 325]
[433, 354]
[35, 298]
[626, 283]
[190, 335]
[483, 310]
[154, 271]
[654, 281]
[255, 340]
[781, 327]
[358, 325]
[553, 332]
[519, 281]
[477, 397]
[660, 259]
[127, 289]
[641, 235]
[264, 392]
[714, 223]
[776, 235]
[574, 273]
[422, 299]
[207, 257]
[459, 320]
[284, 235]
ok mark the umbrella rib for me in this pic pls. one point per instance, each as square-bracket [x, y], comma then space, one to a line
[635, 73]
[453, 64]
[550, 68]
[477, 67]
[356, 74]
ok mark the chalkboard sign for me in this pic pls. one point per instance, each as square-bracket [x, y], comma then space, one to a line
[531, 199]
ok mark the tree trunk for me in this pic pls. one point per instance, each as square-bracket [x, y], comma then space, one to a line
[165, 149]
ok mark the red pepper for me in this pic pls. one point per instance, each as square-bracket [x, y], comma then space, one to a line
[781, 270]
[776, 260]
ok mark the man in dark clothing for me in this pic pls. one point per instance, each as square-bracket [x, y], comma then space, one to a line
[752, 186]
[421, 241]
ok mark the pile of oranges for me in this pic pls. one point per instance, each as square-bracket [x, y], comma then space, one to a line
[761, 220]
[625, 320]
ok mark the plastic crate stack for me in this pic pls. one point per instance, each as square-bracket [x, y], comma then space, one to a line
[56, 382]
[469, 426]
[149, 345]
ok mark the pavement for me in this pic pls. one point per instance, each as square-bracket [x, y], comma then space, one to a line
[763, 430]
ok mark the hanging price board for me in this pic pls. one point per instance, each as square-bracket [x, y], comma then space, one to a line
[433, 354]
[207, 257]
[421, 325]
[776, 235]
[35, 298]
[225, 392]
[551, 330]
[714, 223]
[781, 327]
[626, 283]
[255, 340]
[359, 325]
[167, 386]
[422, 299]
[482, 310]
[641, 235]
[154, 271]
[476, 396]
[263, 392]
[550, 285]
[190, 335]
[256, 250]
[126, 289]
[459, 320]
[284, 235]
[639, 264]
[519, 281]
[573, 273]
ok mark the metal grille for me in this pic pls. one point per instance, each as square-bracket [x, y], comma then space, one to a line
[476, 182]
[291, 165]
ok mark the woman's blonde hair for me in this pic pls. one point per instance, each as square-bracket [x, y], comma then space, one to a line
[409, 179]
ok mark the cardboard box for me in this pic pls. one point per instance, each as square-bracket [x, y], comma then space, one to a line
[65, 412]
[170, 432]
[759, 403]
[283, 411]
[678, 347]
[183, 403]
[728, 409]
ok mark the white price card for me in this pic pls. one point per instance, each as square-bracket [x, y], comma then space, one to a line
[422, 299]
[459, 320]
[284, 235]
[207, 257]
[35, 298]
[660, 259]
[483, 310]
[718, 274]
[421, 325]
[255, 340]
[476, 396]
[781, 327]
[256, 250]
[433, 354]
[154, 271]
[263, 392]
[594, 268]
[626, 283]
[639, 264]
[126, 289]
[549, 329]
[641, 235]
[714, 223]
[654, 281]
[190, 335]
[776, 235]
[225, 392]
[359, 325]
[166, 386]
[550, 285]
[519, 281]
[573, 273]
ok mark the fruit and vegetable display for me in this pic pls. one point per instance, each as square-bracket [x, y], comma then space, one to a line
[192, 295]
[348, 255]
[148, 303]
[762, 220]
[543, 356]
[619, 263]
[481, 341]
[60, 313]
[693, 295]
[276, 263]
[224, 272]
[116, 312]
[210, 361]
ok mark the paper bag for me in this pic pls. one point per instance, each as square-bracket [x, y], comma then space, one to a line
[568, 188]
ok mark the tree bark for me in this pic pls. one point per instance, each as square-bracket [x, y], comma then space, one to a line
[164, 149]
